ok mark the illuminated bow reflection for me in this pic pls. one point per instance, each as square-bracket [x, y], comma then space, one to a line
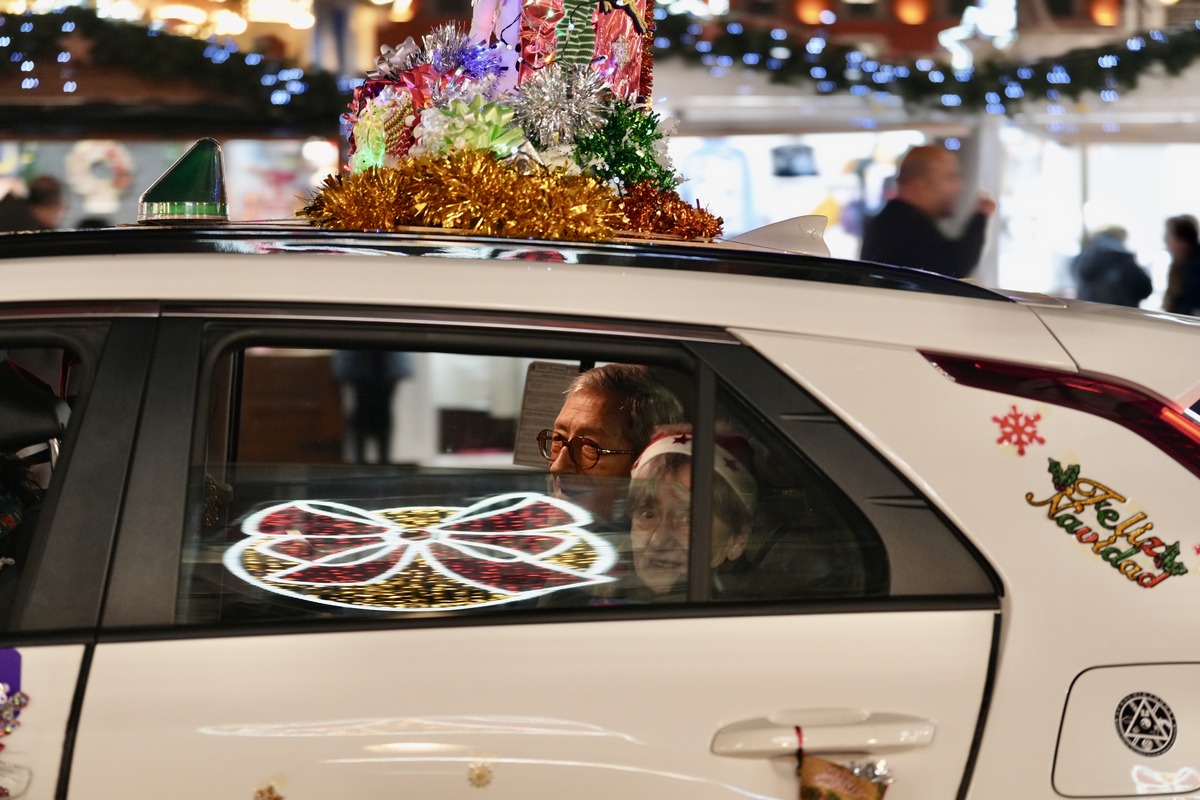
[502, 549]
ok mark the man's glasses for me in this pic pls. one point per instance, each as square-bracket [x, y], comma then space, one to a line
[584, 452]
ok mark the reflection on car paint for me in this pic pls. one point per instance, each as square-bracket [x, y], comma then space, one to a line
[1149, 781]
[1019, 429]
[14, 778]
[422, 726]
[1073, 494]
[503, 549]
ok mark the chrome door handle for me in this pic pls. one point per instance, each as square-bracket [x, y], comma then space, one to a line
[823, 730]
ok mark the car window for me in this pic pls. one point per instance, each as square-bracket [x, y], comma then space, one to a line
[338, 479]
[42, 379]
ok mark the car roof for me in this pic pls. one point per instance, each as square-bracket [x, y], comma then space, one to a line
[731, 258]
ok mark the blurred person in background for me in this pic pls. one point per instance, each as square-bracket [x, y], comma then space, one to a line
[1182, 238]
[905, 232]
[1105, 271]
[43, 207]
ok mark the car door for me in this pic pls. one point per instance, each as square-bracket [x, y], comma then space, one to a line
[70, 388]
[866, 631]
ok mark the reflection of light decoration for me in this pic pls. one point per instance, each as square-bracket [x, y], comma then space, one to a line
[402, 11]
[424, 727]
[505, 548]
[1149, 781]
[228, 23]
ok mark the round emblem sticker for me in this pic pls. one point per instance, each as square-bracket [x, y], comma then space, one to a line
[1146, 724]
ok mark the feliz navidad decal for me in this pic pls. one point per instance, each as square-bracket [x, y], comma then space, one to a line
[1126, 544]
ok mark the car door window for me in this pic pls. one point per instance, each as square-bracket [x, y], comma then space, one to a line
[338, 478]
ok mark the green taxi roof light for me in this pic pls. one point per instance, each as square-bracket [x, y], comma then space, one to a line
[192, 190]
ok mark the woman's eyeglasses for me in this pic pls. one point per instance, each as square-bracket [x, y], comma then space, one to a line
[584, 452]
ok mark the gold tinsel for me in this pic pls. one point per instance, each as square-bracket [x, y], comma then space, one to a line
[650, 210]
[470, 191]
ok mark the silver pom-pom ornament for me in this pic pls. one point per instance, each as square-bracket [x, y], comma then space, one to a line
[557, 105]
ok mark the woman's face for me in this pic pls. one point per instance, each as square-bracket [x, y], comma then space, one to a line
[661, 528]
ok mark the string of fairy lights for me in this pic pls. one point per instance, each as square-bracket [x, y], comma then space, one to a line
[54, 49]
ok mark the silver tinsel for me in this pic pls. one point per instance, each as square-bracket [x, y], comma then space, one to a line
[395, 60]
[449, 50]
[556, 105]
[459, 87]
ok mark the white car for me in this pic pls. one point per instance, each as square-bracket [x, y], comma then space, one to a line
[969, 573]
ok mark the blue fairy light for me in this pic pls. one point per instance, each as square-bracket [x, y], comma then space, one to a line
[858, 90]
[952, 143]
[662, 43]
[902, 72]
[253, 59]
[708, 60]
[26, 27]
[774, 63]
[296, 87]
[69, 87]
[64, 57]
[826, 86]
[995, 109]
[856, 57]
[779, 34]
[992, 98]
[1025, 73]
[5, 41]
[936, 76]
[67, 27]
[717, 72]
[1109, 96]
[725, 61]
[751, 59]
[924, 64]
[26, 66]
[1158, 36]
[816, 45]
[869, 66]
[269, 80]
[29, 83]
[1014, 91]
[694, 29]
[280, 98]
[1107, 62]
[660, 13]
[1135, 44]
[951, 100]
[818, 73]
[703, 47]
[734, 27]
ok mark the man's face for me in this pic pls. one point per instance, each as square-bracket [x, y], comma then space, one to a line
[944, 183]
[596, 416]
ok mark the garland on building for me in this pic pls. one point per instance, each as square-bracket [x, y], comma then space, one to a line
[33, 48]
[996, 86]
[283, 93]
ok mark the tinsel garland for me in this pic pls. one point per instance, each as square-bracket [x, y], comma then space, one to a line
[630, 148]
[654, 211]
[468, 190]
[558, 104]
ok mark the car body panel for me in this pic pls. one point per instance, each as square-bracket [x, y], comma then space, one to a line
[1065, 608]
[577, 708]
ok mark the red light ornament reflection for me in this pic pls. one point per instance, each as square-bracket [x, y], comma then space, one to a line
[420, 558]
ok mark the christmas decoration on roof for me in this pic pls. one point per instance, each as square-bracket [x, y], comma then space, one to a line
[533, 123]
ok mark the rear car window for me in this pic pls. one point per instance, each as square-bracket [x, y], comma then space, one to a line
[334, 479]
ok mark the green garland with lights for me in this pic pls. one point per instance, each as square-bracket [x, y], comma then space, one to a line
[246, 81]
[789, 56]
[995, 86]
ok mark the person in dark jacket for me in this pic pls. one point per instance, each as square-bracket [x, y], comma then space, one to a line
[1107, 272]
[41, 210]
[906, 233]
[1183, 278]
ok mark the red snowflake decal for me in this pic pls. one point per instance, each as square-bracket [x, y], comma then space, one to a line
[1019, 429]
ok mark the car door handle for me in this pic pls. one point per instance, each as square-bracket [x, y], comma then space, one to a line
[823, 730]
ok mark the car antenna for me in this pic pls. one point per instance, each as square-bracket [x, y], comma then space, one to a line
[192, 190]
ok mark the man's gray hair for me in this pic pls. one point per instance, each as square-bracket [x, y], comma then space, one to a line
[644, 402]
